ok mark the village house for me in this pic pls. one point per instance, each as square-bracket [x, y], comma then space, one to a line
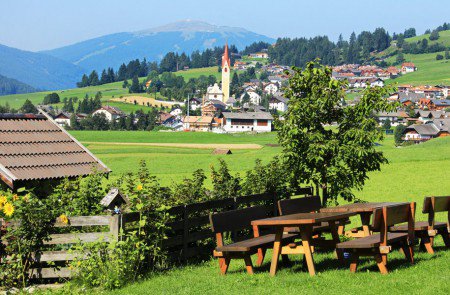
[423, 132]
[278, 102]
[394, 117]
[197, 123]
[166, 119]
[247, 122]
[364, 81]
[195, 103]
[408, 67]
[212, 107]
[271, 88]
[111, 113]
[439, 104]
[255, 98]
[176, 112]
[259, 55]
[62, 118]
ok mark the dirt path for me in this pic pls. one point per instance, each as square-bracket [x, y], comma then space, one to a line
[231, 146]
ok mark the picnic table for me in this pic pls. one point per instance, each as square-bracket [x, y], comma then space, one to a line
[305, 223]
[365, 211]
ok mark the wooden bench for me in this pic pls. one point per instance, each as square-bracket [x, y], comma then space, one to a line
[427, 230]
[379, 245]
[238, 220]
[307, 204]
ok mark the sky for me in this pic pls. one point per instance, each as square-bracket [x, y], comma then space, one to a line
[46, 24]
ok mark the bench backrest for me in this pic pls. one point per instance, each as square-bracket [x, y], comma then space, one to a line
[299, 205]
[436, 204]
[391, 215]
[238, 219]
[431, 205]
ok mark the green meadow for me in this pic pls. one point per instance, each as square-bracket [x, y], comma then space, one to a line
[429, 70]
[413, 172]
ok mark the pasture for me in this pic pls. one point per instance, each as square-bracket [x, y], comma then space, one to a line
[430, 71]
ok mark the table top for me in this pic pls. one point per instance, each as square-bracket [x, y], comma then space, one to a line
[302, 218]
[359, 207]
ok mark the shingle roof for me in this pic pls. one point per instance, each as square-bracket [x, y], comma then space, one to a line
[34, 147]
[425, 129]
[249, 115]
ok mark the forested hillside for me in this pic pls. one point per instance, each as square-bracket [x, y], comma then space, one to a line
[12, 86]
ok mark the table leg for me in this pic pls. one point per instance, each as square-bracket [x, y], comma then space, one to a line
[276, 251]
[336, 240]
[306, 233]
[365, 220]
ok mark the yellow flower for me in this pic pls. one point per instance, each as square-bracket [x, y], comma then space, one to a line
[8, 209]
[26, 198]
[139, 187]
[2, 201]
[63, 218]
[15, 197]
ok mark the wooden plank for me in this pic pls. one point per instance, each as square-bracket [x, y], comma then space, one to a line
[199, 235]
[197, 221]
[48, 273]
[253, 199]
[85, 221]
[78, 237]
[216, 204]
[195, 251]
[178, 210]
[176, 225]
[47, 256]
[173, 241]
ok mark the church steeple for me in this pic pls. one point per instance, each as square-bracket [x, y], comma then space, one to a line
[226, 67]
[225, 57]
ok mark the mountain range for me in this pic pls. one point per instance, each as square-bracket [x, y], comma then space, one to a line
[61, 68]
[184, 36]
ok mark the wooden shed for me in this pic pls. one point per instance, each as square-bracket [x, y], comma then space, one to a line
[222, 152]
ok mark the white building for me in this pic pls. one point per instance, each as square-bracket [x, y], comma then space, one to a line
[259, 55]
[214, 92]
[271, 88]
[255, 98]
[278, 103]
[408, 67]
[247, 122]
[176, 112]
[111, 113]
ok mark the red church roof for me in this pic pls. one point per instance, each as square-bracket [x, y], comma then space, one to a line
[225, 57]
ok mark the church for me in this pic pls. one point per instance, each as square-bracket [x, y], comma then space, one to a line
[215, 92]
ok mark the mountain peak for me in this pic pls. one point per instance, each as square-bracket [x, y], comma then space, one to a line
[189, 25]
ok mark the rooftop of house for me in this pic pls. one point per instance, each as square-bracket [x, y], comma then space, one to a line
[249, 115]
[424, 129]
[112, 110]
[197, 119]
[34, 147]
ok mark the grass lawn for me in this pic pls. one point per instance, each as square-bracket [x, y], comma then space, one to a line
[444, 38]
[430, 71]
[195, 73]
[430, 275]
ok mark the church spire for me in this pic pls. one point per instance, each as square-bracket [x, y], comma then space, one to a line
[225, 57]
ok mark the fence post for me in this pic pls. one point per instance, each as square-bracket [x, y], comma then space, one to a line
[185, 233]
[275, 207]
[114, 226]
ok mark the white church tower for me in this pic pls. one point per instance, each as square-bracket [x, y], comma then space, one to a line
[226, 69]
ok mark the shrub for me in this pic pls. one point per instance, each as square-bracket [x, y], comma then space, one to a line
[439, 57]
[398, 133]
[25, 237]
[225, 185]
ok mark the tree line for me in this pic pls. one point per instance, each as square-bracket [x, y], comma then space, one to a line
[171, 62]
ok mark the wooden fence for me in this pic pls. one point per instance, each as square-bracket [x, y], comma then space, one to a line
[190, 234]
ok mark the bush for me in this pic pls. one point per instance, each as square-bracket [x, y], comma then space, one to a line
[33, 221]
[439, 57]
[398, 133]
[434, 35]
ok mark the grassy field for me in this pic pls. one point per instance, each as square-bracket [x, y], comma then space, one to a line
[430, 71]
[444, 38]
[413, 172]
[195, 73]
